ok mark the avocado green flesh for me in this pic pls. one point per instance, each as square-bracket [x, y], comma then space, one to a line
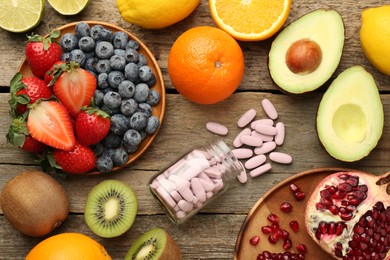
[350, 115]
[326, 28]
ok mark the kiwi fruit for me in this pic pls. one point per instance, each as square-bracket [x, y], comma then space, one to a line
[34, 203]
[154, 244]
[110, 208]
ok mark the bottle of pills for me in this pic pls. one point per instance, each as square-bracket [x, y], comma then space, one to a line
[195, 179]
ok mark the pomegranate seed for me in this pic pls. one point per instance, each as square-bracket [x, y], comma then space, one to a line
[340, 228]
[346, 216]
[287, 244]
[333, 209]
[299, 195]
[344, 177]
[354, 181]
[294, 188]
[301, 248]
[344, 187]
[275, 227]
[273, 239]
[273, 218]
[286, 207]
[254, 240]
[320, 206]
[331, 189]
[324, 194]
[294, 225]
[267, 230]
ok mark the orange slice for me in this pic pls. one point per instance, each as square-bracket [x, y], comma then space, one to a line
[250, 20]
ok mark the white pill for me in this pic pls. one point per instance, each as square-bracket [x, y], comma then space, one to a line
[242, 153]
[269, 108]
[280, 157]
[246, 118]
[166, 184]
[166, 197]
[179, 182]
[279, 137]
[181, 214]
[260, 170]
[265, 121]
[196, 166]
[251, 140]
[213, 172]
[243, 176]
[265, 138]
[198, 189]
[255, 161]
[175, 195]
[185, 206]
[217, 128]
[237, 141]
[266, 129]
[265, 148]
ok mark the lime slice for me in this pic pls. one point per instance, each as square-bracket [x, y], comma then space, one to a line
[68, 7]
[20, 15]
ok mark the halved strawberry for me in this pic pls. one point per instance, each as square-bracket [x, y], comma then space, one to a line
[75, 87]
[49, 122]
[53, 73]
[80, 159]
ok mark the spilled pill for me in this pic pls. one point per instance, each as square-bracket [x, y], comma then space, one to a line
[265, 121]
[265, 148]
[237, 141]
[260, 170]
[255, 161]
[242, 153]
[279, 157]
[265, 138]
[243, 176]
[251, 140]
[246, 118]
[269, 108]
[279, 137]
[217, 128]
[266, 129]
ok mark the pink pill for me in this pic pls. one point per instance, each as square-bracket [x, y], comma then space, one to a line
[243, 176]
[279, 137]
[207, 183]
[246, 118]
[198, 189]
[176, 196]
[264, 121]
[255, 161]
[237, 141]
[209, 194]
[187, 194]
[217, 128]
[269, 108]
[265, 138]
[179, 181]
[280, 157]
[242, 153]
[166, 197]
[266, 129]
[260, 170]
[196, 166]
[185, 206]
[181, 214]
[265, 148]
[213, 172]
[166, 184]
[251, 140]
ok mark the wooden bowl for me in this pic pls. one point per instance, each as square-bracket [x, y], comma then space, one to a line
[157, 110]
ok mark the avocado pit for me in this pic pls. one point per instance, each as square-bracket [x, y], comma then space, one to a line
[303, 56]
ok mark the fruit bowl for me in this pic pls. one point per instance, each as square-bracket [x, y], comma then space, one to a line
[158, 110]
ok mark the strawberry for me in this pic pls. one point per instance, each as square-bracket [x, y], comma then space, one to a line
[91, 126]
[53, 73]
[75, 87]
[26, 91]
[80, 159]
[42, 53]
[49, 122]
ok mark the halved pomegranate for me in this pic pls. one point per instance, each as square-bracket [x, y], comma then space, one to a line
[348, 215]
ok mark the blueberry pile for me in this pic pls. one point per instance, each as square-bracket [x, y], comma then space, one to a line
[124, 82]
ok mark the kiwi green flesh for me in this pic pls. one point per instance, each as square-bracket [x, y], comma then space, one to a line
[154, 244]
[111, 208]
[325, 28]
[350, 115]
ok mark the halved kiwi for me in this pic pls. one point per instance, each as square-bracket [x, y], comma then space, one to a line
[111, 208]
[154, 244]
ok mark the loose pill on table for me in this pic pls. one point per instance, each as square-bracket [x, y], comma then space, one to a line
[269, 108]
[266, 129]
[279, 137]
[242, 153]
[217, 128]
[246, 118]
[255, 161]
[260, 170]
[279, 157]
[265, 138]
[237, 141]
[265, 148]
[251, 140]
[265, 121]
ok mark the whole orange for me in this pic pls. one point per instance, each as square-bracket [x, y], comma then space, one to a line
[73, 246]
[206, 64]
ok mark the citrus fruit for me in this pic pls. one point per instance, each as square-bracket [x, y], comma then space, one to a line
[155, 14]
[73, 246]
[20, 15]
[250, 20]
[375, 35]
[69, 7]
[205, 65]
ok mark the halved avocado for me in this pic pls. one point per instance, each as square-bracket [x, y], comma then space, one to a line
[307, 52]
[350, 115]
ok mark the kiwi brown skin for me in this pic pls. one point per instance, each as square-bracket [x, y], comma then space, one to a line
[34, 203]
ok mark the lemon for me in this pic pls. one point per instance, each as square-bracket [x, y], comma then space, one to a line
[155, 14]
[375, 37]
[20, 15]
[69, 7]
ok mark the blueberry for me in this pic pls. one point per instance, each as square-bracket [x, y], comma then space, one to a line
[105, 35]
[143, 134]
[141, 93]
[110, 111]
[115, 78]
[95, 31]
[141, 60]
[65, 56]
[108, 151]
[78, 56]
[126, 89]
[98, 97]
[152, 81]
[145, 73]
[102, 80]
[153, 98]
[120, 157]
[131, 71]
[120, 40]
[129, 107]
[117, 62]
[90, 54]
[130, 148]
[131, 55]
[104, 50]
[82, 29]
[152, 125]
[138, 121]
[104, 164]
[68, 42]
[103, 66]
[112, 141]
[120, 52]
[87, 44]
[119, 124]
[90, 63]
[145, 108]
[131, 138]
[112, 99]
[132, 44]
[97, 149]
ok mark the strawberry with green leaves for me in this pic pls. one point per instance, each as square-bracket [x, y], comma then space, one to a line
[53, 73]
[79, 160]
[75, 87]
[91, 126]
[42, 52]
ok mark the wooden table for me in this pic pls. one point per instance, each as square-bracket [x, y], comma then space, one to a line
[212, 233]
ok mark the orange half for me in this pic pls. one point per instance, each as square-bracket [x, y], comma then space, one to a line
[250, 20]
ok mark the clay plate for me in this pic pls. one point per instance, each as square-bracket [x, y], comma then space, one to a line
[270, 202]
[157, 110]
